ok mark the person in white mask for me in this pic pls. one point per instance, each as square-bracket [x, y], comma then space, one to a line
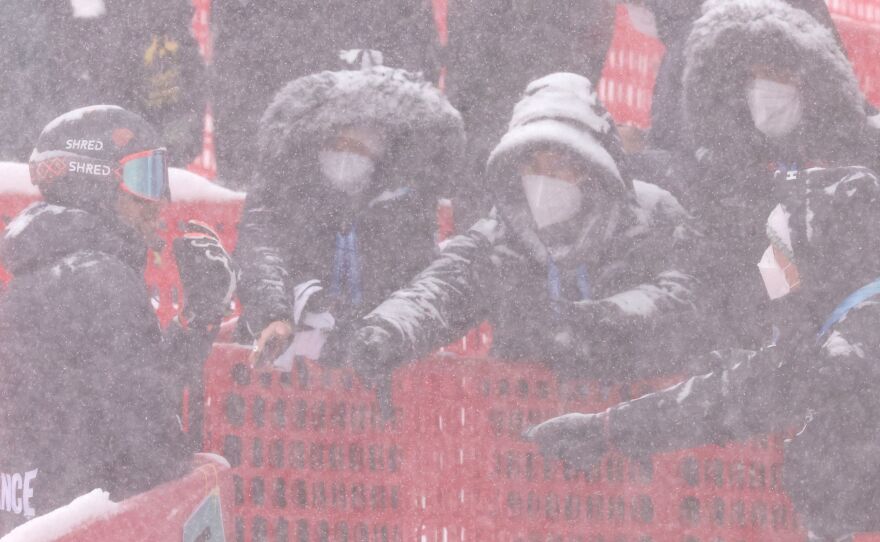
[819, 376]
[343, 205]
[577, 265]
[775, 102]
[766, 88]
[348, 158]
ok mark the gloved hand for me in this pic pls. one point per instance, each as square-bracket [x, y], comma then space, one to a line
[208, 275]
[579, 440]
[371, 355]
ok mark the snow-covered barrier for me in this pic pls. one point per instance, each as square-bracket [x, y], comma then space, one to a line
[194, 508]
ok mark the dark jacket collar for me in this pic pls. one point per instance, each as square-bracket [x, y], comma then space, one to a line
[44, 233]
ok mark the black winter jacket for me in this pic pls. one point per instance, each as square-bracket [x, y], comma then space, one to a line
[624, 262]
[642, 298]
[726, 182]
[292, 217]
[91, 388]
[825, 386]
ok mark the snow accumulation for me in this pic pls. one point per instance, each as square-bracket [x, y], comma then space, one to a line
[15, 179]
[188, 186]
[77, 114]
[88, 9]
[89, 507]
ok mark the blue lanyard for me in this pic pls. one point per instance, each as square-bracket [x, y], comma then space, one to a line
[862, 294]
[347, 268]
[554, 282]
[790, 170]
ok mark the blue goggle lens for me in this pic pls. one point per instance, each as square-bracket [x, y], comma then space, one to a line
[147, 176]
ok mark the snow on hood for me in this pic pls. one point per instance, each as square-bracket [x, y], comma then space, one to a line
[90, 507]
[561, 109]
[426, 132]
[731, 37]
[186, 186]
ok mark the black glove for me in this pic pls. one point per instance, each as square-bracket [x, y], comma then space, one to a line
[579, 440]
[208, 275]
[371, 354]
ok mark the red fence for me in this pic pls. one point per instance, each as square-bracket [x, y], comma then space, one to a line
[314, 459]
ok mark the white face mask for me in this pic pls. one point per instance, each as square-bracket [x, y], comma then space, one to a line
[776, 107]
[347, 171]
[775, 276]
[551, 200]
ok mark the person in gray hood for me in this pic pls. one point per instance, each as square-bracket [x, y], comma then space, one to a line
[575, 265]
[343, 209]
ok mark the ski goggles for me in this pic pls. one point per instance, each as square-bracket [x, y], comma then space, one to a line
[145, 174]
[142, 174]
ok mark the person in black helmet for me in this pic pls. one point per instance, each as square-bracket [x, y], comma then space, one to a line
[90, 385]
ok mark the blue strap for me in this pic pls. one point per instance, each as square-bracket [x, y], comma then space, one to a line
[862, 294]
[347, 268]
[355, 289]
[583, 283]
[554, 282]
[337, 274]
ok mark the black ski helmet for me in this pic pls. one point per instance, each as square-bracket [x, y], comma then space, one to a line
[104, 133]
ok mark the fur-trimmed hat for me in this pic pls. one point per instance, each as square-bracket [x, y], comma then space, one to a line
[425, 131]
[734, 35]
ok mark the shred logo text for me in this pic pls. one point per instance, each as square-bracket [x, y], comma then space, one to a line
[16, 493]
[84, 145]
[89, 169]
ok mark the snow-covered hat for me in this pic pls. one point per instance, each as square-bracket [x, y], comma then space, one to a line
[562, 109]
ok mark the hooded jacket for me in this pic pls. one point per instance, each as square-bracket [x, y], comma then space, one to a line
[293, 218]
[821, 381]
[728, 185]
[622, 266]
[260, 45]
[90, 387]
[495, 48]
[674, 19]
